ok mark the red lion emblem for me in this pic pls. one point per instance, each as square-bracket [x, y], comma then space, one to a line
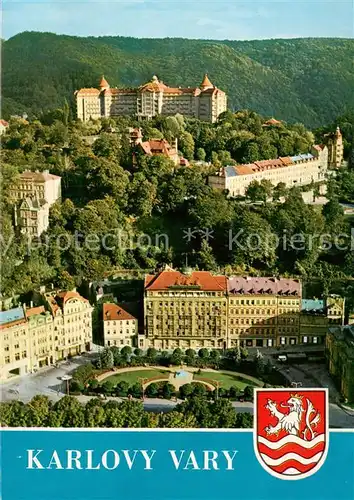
[291, 431]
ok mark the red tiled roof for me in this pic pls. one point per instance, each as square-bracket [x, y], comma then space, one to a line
[34, 310]
[4, 123]
[88, 91]
[206, 82]
[13, 323]
[70, 295]
[113, 311]
[203, 279]
[272, 121]
[158, 146]
[118, 91]
[240, 285]
[103, 82]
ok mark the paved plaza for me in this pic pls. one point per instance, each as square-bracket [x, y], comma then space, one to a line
[49, 382]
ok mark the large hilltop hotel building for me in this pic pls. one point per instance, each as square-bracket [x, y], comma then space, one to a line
[298, 170]
[205, 102]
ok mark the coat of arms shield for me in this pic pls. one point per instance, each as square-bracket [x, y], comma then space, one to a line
[291, 431]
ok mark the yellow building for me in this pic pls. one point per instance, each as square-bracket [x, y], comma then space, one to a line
[263, 312]
[299, 170]
[14, 343]
[335, 309]
[119, 327]
[340, 359]
[185, 311]
[32, 194]
[154, 98]
[39, 336]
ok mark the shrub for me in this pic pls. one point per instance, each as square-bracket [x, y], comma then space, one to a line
[248, 392]
[76, 386]
[186, 390]
[122, 389]
[136, 390]
[108, 386]
[152, 390]
[167, 390]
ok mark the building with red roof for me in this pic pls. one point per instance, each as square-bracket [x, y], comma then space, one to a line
[153, 98]
[120, 328]
[33, 337]
[185, 310]
[297, 170]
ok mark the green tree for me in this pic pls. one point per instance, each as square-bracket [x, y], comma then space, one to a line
[244, 420]
[200, 154]
[203, 353]
[186, 145]
[106, 358]
[152, 390]
[177, 419]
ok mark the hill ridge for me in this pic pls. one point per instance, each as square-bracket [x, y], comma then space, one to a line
[308, 80]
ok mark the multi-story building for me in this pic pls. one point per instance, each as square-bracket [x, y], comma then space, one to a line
[317, 315]
[299, 170]
[186, 311]
[14, 343]
[33, 193]
[335, 309]
[263, 312]
[313, 321]
[202, 310]
[120, 328]
[205, 102]
[340, 358]
[39, 336]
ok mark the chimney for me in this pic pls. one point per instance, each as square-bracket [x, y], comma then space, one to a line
[31, 303]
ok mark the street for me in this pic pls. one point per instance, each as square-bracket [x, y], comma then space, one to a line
[49, 383]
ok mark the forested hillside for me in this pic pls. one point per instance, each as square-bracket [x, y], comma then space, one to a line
[306, 80]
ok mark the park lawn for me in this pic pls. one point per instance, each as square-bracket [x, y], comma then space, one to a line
[226, 380]
[133, 377]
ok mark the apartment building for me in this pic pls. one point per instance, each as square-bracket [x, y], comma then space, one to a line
[120, 328]
[32, 194]
[340, 359]
[40, 336]
[298, 170]
[153, 98]
[202, 310]
[263, 312]
[186, 311]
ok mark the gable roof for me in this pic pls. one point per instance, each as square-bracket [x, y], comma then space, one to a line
[115, 312]
[158, 146]
[202, 280]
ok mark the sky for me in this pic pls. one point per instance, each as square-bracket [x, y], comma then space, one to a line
[212, 19]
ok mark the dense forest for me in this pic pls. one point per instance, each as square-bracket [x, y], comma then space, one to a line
[105, 193]
[306, 80]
